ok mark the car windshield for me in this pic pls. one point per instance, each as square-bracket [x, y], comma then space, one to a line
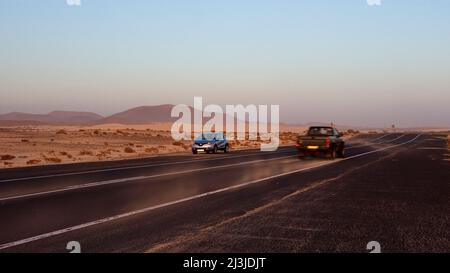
[320, 131]
[210, 136]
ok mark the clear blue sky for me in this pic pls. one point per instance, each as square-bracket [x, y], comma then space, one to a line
[341, 61]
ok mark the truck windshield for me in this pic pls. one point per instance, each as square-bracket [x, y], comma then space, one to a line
[320, 131]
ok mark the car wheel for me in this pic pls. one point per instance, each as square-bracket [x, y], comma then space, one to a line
[215, 150]
[227, 149]
[194, 152]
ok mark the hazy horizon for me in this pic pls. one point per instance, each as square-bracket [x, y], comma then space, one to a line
[340, 61]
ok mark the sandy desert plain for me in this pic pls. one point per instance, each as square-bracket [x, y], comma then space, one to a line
[33, 145]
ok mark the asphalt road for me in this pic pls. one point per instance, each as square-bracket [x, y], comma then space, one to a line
[393, 189]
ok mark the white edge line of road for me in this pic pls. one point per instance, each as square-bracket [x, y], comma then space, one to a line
[378, 138]
[135, 178]
[130, 167]
[381, 142]
[128, 179]
[135, 212]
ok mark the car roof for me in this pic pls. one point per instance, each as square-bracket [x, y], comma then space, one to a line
[326, 127]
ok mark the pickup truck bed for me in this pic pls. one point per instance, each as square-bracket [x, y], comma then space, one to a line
[323, 140]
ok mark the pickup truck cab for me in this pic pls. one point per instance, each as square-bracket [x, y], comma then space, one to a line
[210, 143]
[321, 139]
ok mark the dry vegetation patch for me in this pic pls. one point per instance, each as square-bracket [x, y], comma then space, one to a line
[7, 157]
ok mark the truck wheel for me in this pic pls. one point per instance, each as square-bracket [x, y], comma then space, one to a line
[341, 152]
[332, 153]
[301, 155]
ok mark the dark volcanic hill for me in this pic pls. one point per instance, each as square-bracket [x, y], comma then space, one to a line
[142, 114]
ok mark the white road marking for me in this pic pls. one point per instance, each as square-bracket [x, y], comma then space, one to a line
[135, 178]
[390, 141]
[378, 138]
[431, 148]
[133, 167]
[135, 212]
[381, 142]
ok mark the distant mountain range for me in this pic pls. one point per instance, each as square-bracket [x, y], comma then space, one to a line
[138, 115]
[143, 114]
[55, 117]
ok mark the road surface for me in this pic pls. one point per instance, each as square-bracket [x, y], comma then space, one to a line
[392, 188]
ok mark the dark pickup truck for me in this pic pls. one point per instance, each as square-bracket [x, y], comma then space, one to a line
[321, 139]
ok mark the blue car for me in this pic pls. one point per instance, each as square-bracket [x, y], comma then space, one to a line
[210, 143]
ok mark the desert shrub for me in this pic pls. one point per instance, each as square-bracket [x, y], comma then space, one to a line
[129, 150]
[53, 159]
[104, 153]
[8, 163]
[25, 140]
[96, 132]
[33, 161]
[152, 150]
[7, 157]
[177, 143]
[85, 152]
[139, 146]
[61, 132]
